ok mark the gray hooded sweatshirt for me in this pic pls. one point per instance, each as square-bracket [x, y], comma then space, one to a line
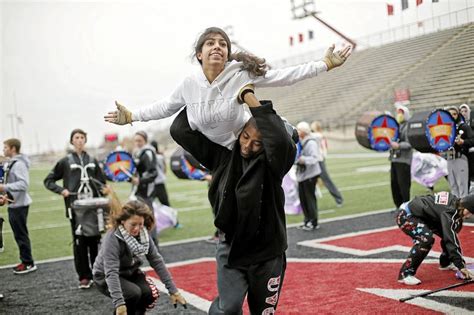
[308, 163]
[18, 180]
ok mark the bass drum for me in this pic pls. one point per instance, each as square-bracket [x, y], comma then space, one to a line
[185, 166]
[375, 130]
[90, 216]
[432, 131]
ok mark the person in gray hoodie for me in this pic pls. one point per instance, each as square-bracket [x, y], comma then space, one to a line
[307, 173]
[125, 247]
[15, 193]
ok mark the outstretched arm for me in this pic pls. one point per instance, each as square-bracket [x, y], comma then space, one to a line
[294, 74]
[158, 110]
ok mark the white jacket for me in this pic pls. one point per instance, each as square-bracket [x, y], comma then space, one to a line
[213, 108]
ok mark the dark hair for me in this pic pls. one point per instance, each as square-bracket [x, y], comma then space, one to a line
[142, 134]
[253, 64]
[15, 143]
[154, 144]
[77, 130]
[130, 209]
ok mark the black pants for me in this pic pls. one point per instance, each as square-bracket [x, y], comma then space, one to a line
[135, 290]
[400, 180]
[161, 193]
[261, 283]
[1, 231]
[18, 217]
[85, 249]
[309, 203]
[423, 240]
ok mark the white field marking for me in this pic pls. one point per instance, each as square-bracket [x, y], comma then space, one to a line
[345, 217]
[47, 199]
[355, 260]
[42, 227]
[186, 241]
[192, 299]
[318, 243]
[191, 240]
[194, 208]
[396, 294]
[48, 209]
[45, 261]
[373, 169]
[357, 155]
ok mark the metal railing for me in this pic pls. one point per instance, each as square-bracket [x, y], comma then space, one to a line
[411, 30]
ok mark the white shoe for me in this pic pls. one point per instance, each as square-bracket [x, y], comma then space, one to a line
[410, 280]
[451, 266]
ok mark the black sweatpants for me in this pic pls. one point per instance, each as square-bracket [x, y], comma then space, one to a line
[260, 282]
[309, 203]
[400, 180]
[18, 217]
[135, 290]
[85, 249]
[161, 193]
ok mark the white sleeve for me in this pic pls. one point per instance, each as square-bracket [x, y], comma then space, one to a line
[290, 75]
[163, 108]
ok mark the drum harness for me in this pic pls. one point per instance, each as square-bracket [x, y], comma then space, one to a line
[85, 190]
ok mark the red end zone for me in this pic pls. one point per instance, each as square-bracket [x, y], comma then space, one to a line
[382, 240]
[329, 287]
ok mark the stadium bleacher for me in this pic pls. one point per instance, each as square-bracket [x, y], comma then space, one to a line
[437, 69]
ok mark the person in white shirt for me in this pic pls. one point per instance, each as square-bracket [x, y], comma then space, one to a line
[211, 95]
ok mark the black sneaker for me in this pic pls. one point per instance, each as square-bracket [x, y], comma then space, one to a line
[310, 227]
[22, 268]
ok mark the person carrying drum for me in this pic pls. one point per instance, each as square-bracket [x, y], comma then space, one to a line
[458, 166]
[441, 214]
[126, 247]
[71, 170]
[145, 160]
[14, 192]
[400, 157]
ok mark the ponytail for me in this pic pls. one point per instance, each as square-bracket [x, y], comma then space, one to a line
[253, 64]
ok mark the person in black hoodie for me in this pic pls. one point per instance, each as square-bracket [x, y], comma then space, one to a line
[441, 214]
[85, 247]
[145, 159]
[248, 204]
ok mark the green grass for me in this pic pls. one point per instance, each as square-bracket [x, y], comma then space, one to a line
[51, 236]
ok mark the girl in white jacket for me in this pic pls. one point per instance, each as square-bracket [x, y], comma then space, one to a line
[211, 95]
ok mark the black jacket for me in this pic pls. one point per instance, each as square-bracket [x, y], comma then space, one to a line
[146, 171]
[439, 212]
[72, 177]
[467, 136]
[248, 205]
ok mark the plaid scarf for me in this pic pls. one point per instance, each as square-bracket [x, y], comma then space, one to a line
[137, 247]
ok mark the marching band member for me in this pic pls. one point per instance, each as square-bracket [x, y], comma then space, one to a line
[400, 158]
[458, 167]
[125, 247]
[85, 248]
[441, 214]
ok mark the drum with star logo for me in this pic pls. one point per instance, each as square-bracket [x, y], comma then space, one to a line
[432, 131]
[119, 166]
[375, 131]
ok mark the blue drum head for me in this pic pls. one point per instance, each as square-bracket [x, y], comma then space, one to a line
[382, 131]
[440, 130]
[119, 166]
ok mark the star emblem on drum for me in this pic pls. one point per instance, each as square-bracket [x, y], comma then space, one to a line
[118, 165]
[441, 130]
[383, 132]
